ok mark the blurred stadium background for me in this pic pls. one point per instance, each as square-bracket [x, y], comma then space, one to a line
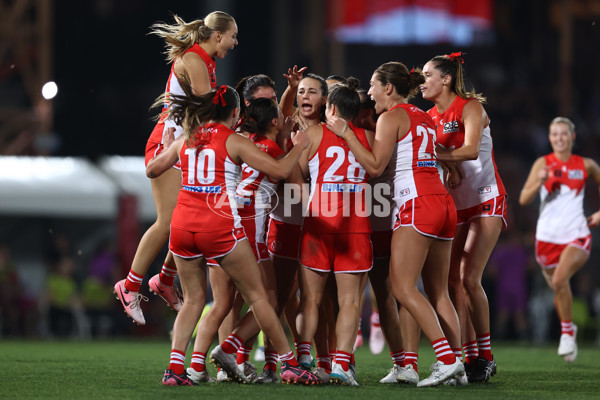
[74, 199]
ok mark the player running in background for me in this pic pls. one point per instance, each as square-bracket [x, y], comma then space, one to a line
[562, 238]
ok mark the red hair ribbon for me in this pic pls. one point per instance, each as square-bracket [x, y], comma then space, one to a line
[219, 95]
[457, 55]
[412, 70]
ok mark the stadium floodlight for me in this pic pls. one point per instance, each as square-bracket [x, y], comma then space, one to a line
[49, 90]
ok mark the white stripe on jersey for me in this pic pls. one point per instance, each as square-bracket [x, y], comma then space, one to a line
[233, 175]
[405, 187]
[313, 166]
[478, 183]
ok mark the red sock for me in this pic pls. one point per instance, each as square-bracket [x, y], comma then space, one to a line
[458, 353]
[243, 354]
[133, 281]
[398, 357]
[177, 360]
[485, 346]
[443, 352]
[567, 327]
[324, 361]
[167, 274]
[289, 358]
[343, 359]
[232, 343]
[471, 352]
[375, 320]
[271, 360]
[303, 349]
[411, 358]
[198, 361]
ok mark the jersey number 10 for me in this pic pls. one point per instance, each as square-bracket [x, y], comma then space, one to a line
[204, 170]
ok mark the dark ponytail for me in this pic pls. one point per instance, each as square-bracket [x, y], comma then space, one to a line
[404, 81]
[259, 114]
[345, 98]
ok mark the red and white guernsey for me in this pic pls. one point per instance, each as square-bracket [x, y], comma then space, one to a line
[480, 179]
[173, 86]
[416, 162]
[337, 201]
[253, 194]
[561, 217]
[209, 181]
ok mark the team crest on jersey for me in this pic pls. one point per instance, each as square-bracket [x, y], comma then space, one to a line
[576, 174]
[275, 245]
[451, 127]
[485, 190]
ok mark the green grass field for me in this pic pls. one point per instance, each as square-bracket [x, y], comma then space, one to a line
[133, 370]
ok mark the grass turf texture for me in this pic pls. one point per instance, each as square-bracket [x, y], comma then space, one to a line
[134, 369]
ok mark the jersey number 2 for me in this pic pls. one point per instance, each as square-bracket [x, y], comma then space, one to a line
[354, 173]
[426, 149]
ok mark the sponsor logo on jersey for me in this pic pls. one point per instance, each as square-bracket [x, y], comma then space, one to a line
[576, 174]
[203, 189]
[432, 164]
[485, 190]
[341, 187]
[404, 192]
[487, 207]
[275, 245]
[450, 127]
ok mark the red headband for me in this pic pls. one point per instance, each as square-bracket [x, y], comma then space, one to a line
[219, 96]
[456, 56]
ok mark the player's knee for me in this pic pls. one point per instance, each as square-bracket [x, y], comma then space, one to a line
[402, 293]
[559, 284]
[454, 284]
[195, 302]
[471, 284]
[349, 303]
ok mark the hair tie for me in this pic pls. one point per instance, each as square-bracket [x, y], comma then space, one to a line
[412, 70]
[219, 96]
[456, 56]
